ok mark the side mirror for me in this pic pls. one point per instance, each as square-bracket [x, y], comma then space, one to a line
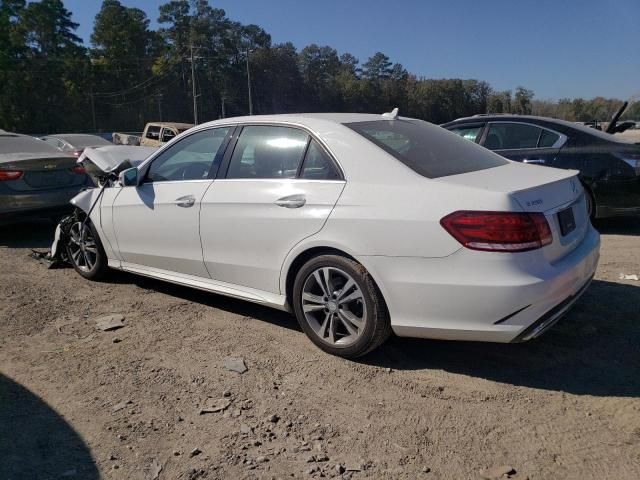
[128, 177]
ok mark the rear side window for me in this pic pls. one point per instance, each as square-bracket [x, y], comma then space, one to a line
[508, 136]
[317, 165]
[429, 150]
[268, 152]
[547, 139]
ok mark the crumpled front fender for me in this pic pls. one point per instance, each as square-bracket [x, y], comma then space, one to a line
[85, 199]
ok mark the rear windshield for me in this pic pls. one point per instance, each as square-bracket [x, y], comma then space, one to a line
[427, 149]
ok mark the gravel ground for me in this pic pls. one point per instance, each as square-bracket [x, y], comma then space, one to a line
[80, 403]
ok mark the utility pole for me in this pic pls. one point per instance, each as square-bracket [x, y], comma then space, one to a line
[159, 98]
[193, 84]
[249, 84]
[224, 114]
[93, 111]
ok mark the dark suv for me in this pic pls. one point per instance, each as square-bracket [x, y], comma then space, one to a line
[609, 166]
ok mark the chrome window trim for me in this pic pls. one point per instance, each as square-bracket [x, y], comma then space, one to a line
[562, 138]
[279, 180]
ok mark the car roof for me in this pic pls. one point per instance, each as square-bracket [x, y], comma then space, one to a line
[172, 124]
[15, 146]
[483, 117]
[70, 136]
[80, 139]
[310, 120]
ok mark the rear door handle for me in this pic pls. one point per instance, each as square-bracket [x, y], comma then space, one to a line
[292, 201]
[186, 201]
[536, 161]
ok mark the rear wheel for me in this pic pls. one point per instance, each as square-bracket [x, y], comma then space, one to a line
[339, 306]
[85, 251]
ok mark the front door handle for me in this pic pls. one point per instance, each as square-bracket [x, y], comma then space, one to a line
[536, 161]
[186, 201]
[292, 201]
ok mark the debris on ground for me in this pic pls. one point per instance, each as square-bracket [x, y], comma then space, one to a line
[497, 472]
[235, 364]
[121, 406]
[215, 405]
[110, 322]
[196, 451]
[156, 468]
[624, 276]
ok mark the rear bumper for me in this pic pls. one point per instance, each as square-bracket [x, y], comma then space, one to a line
[15, 206]
[483, 296]
[550, 318]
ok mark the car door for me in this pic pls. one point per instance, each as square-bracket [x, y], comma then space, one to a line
[523, 142]
[157, 222]
[279, 188]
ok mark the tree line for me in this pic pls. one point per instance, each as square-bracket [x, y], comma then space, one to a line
[200, 59]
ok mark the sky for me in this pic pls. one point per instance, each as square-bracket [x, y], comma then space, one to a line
[558, 48]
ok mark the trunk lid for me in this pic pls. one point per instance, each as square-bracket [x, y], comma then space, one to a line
[42, 171]
[556, 193]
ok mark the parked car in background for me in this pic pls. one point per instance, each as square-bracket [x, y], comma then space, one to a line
[360, 224]
[609, 165]
[75, 143]
[36, 179]
[154, 134]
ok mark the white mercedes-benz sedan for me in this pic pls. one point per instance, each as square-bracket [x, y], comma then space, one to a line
[361, 225]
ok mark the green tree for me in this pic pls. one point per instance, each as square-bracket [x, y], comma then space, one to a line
[378, 67]
[49, 67]
[522, 101]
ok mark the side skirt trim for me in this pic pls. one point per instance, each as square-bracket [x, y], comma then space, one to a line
[249, 294]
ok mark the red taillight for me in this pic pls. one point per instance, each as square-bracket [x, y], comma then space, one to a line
[499, 231]
[78, 169]
[10, 174]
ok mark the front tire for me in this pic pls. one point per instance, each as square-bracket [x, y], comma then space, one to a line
[85, 251]
[339, 306]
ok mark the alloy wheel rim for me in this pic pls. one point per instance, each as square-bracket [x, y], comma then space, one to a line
[82, 247]
[334, 307]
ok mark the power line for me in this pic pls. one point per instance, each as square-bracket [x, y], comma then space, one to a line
[141, 98]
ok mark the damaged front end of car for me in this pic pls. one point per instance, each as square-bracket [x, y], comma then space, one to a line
[103, 165]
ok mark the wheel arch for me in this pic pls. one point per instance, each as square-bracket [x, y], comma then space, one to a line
[297, 259]
[589, 190]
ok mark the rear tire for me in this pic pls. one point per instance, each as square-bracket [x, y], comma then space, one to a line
[339, 306]
[85, 251]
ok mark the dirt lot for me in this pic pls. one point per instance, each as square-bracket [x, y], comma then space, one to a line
[80, 403]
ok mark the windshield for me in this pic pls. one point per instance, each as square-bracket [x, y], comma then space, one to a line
[427, 149]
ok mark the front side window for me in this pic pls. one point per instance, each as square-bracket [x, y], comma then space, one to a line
[469, 132]
[268, 152]
[511, 136]
[195, 157]
[317, 165]
[427, 149]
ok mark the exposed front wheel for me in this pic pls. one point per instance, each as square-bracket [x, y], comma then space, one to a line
[339, 306]
[85, 251]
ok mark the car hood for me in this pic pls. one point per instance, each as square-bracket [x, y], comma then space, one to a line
[109, 157]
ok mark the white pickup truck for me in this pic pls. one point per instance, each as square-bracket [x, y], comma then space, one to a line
[154, 135]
